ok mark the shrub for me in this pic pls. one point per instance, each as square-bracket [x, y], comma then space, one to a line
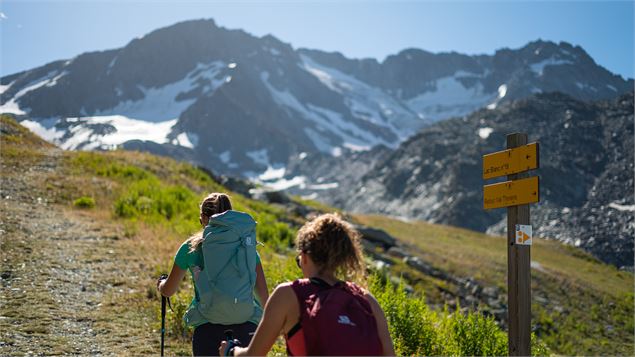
[417, 330]
[151, 200]
[84, 202]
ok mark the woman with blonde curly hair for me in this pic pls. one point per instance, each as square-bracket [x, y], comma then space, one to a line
[321, 314]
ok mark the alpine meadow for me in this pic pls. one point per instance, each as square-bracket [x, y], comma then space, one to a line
[103, 225]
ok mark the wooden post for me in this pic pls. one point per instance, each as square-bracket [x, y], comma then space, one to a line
[518, 271]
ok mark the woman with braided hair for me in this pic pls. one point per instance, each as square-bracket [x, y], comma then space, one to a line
[218, 218]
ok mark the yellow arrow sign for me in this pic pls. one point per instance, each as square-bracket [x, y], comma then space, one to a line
[511, 193]
[510, 161]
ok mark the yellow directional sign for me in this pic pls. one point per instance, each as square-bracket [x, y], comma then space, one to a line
[510, 161]
[511, 193]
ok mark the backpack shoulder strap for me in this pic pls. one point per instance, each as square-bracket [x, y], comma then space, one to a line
[303, 288]
[353, 289]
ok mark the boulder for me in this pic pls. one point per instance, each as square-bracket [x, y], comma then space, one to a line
[376, 236]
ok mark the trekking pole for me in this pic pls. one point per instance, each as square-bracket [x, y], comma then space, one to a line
[163, 301]
[163, 298]
[231, 342]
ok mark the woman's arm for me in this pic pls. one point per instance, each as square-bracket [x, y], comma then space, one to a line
[168, 287]
[382, 326]
[261, 285]
[273, 321]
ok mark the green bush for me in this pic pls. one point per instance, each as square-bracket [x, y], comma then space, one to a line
[417, 330]
[274, 233]
[84, 202]
[151, 200]
[476, 335]
[538, 347]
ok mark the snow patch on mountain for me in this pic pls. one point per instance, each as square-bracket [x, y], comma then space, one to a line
[226, 157]
[354, 138]
[44, 128]
[324, 120]
[3, 88]
[539, 67]
[366, 102]
[112, 64]
[12, 105]
[284, 184]
[161, 104]
[273, 177]
[272, 173]
[53, 81]
[450, 98]
[126, 129]
[623, 208]
[586, 87]
[84, 133]
[259, 156]
[324, 186]
[502, 91]
[188, 140]
[485, 132]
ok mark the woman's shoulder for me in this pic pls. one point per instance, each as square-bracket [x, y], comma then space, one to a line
[294, 287]
[284, 286]
[185, 247]
[284, 291]
[185, 257]
[288, 285]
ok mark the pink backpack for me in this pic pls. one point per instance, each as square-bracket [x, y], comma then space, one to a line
[336, 320]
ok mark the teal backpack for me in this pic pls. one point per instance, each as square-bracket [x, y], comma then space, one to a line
[226, 283]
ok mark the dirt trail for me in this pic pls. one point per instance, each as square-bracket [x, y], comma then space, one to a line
[57, 263]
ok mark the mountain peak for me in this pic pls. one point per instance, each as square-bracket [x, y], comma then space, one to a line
[540, 49]
[195, 73]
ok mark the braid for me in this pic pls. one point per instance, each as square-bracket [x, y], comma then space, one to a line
[214, 203]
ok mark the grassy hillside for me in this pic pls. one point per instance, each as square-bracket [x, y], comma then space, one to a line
[143, 207]
[579, 305]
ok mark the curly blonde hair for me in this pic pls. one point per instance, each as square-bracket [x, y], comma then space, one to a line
[333, 245]
[214, 203]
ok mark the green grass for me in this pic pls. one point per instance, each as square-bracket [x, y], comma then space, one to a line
[84, 202]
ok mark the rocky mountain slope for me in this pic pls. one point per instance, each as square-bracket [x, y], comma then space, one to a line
[586, 172]
[243, 104]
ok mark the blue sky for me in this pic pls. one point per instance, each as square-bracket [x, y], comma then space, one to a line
[36, 32]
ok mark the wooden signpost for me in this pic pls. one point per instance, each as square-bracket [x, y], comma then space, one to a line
[516, 193]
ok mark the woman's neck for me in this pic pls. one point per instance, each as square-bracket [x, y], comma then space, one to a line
[330, 278]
